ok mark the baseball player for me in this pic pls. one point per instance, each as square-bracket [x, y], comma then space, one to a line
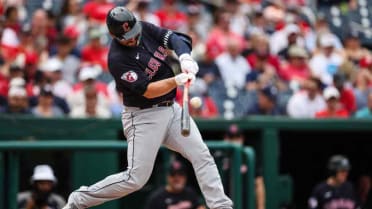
[336, 192]
[137, 61]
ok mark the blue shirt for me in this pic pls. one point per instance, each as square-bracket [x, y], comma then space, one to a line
[364, 113]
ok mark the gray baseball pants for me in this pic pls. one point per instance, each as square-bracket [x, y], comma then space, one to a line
[146, 130]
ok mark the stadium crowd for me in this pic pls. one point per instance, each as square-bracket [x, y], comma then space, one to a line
[300, 58]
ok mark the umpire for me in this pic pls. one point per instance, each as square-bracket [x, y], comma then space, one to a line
[137, 61]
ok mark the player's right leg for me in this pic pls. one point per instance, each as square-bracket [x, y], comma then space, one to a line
[145, 131]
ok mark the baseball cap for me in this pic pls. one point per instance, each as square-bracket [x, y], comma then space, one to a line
[17, 91]
[327, 40]
[177, 168]
[233, 131]
[43, 173]
[292, 29]
[51, 65]
[87, 73]
[330, 92]
[17, 82]
[270, 91]
[71, 32]
[46, 91]
[297, 51]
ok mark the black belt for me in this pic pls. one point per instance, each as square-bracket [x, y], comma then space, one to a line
[160, 104]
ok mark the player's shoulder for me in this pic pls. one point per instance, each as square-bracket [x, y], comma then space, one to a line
[320, 187]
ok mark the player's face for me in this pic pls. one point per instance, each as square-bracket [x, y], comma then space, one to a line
[130, 42]
[341, 176]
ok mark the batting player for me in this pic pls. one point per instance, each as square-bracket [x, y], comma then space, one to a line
[137, 61]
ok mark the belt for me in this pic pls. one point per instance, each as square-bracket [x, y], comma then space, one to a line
[160, 104]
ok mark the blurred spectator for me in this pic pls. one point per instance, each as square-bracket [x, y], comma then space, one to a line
[335, 191]
[233, 67]
[171, 17]
[347, 98]
[96, 11]
[46, 107]
[353, 48]
[258, 24]
[274, 12]
[234, 135]
[52, 69]
[325, 63]
[239, 20]
[12, 19]
[95, 53]
[334, 109]
[116, 100]
[39, 30]
[17, 102]
[292, 31]
[266, 102]
[41, 195]
[88, 102]
[88, 77]
[261, 60]
[70, 63]
[143, 13]
[175, 194]
[296, 71]
[198, 21]
[208, 69]
[305, 103]
[367, 111]
[219, 36]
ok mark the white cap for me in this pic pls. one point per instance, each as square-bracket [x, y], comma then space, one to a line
[327, 40]
[51, 65]
[17, 91]
[43, 173]
[331, 92]
[88, 73]
[292, 28]
[17, 82]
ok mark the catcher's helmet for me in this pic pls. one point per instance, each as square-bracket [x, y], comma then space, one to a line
[122, 23]
[337, 163]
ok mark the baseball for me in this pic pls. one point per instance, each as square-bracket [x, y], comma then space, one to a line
[196, 102]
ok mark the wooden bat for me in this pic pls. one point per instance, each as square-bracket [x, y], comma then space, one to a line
[185, 117]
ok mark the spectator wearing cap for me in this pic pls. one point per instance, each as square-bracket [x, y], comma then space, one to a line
[95, 53]
[171, 17]
[367, 111]
[282, 38]
[88, 100]
[266, 102]
[347, 97]
[296, 70]
[88, 77]
[70, 63]
[198, 21]
[333, 109]
[293, 39]
[41, 195]
[17, 102]
[233, 134]
[325, 63]
[52, 70]
[175, 194]
[46, 107]
[308, 101]
[233, 66]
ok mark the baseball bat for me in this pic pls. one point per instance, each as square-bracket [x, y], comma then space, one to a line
[185, 117]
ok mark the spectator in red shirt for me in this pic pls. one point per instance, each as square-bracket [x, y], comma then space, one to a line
[87, 77]
[220, 34]
[296, 70]
[171, 18]
[96, 10]
[333, 109]
[347, 97]
[95, 53]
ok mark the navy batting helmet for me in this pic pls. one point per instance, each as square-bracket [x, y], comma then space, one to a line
[338, 163]
[122, 23]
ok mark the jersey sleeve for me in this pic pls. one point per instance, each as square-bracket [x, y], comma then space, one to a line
[129, 75]
[162, 35]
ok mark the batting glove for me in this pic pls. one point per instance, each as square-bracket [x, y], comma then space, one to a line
[182, 78]
[188, 64]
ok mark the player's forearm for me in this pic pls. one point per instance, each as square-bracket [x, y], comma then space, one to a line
[159, 88]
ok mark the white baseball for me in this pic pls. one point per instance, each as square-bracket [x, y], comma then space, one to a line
[196, 102]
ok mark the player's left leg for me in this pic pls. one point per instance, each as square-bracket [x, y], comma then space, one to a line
[196, 151]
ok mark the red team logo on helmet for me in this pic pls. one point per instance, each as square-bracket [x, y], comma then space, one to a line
[129, 76]
[126, 27]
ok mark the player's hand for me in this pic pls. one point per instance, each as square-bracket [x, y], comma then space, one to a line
[182, 78]
[188, 64]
